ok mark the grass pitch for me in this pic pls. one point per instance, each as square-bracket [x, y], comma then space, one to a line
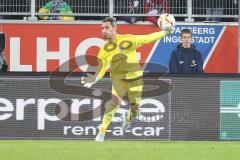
[117, 150]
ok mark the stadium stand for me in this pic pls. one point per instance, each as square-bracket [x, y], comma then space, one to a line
[84, 9]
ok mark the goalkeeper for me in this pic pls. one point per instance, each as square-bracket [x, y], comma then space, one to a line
[119, 53]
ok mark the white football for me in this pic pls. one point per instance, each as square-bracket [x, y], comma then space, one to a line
[166, 21]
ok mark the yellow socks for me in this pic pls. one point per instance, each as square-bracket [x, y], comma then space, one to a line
[107, 118]
[131, 115]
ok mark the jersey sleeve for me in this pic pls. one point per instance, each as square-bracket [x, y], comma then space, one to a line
[150, 38]
[102, 64]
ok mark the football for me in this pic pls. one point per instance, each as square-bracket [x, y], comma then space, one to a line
[166, 21]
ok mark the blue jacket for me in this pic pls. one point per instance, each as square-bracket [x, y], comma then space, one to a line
[186, 60]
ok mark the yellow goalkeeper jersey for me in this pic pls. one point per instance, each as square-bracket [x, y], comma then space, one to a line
[121, 56]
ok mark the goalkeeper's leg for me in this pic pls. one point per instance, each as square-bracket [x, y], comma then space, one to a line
[134, 96]
[118, 92]
[129, 117]
[107, 118]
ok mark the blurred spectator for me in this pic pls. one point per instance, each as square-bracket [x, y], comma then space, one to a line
[231, 9]
[215, 7]
[133, 7]
[186, 59]
[235, 2]
[3, 62]
[236, 8]
[56, 6]
[155, 7]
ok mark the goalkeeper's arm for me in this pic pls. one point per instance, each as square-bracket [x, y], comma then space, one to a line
[92, 79]
[150, 38]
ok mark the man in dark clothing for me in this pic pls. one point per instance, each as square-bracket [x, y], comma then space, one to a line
[186, 59]
[3, 62]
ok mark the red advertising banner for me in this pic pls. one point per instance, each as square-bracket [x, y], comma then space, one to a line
[44, 47]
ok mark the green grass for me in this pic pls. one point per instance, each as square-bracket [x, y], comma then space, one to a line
[114, 150]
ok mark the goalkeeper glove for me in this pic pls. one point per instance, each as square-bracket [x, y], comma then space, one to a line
[87, 84]
[169, 31]
[89, 80]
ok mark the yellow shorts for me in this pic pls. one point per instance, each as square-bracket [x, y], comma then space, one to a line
[130, 88]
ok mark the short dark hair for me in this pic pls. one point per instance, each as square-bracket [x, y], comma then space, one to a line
[188, 31]
[111, 20]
